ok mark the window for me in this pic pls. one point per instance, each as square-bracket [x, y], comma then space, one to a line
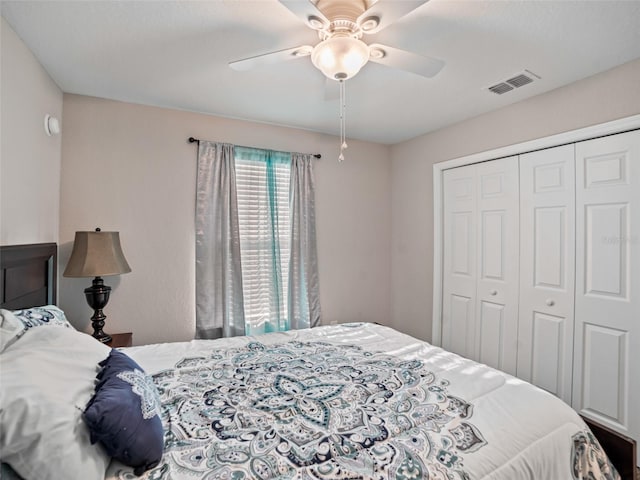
[262, 183]
[247, 252]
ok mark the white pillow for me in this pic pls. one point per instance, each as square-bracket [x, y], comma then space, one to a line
[10, 328]
[47, 379]
[14, 324]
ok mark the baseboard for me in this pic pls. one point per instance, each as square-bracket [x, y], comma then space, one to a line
[621, 450]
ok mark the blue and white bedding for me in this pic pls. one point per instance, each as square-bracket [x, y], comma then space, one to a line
[356, 401]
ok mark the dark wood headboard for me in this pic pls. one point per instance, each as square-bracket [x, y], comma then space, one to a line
[28, 276]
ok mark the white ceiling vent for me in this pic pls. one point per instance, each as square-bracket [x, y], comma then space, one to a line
[501, 88]
[516, 81]
[519, 80]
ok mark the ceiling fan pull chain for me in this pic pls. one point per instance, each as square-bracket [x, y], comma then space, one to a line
[344, 115]
[343, 135]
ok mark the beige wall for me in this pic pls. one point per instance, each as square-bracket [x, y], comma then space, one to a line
[129, 168]
[29, 159]
[608, 96]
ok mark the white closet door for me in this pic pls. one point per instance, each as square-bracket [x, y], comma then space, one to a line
[547, 269]
[459, 263]
[497, 264]
[607, 309]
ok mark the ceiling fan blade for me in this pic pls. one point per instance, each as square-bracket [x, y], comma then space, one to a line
[384, 12]
[307, 12]
[403, 60]
[271, 58]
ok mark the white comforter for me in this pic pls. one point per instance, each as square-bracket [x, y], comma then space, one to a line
[441, 417]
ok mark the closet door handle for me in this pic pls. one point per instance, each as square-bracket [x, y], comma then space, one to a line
[550, 302]
[493, 292]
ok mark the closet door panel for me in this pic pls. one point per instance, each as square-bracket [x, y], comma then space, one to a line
[606, 268]
[607, 334]
[605, 374]
[549, 248]
[459, 264]
[497, 264]
[547, 268]
[491, 334]
[548, 347]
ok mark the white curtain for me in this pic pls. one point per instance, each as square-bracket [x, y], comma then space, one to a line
[219, 300]
[304, 297]
[220, 304]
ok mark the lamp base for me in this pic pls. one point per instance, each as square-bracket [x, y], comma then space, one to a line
[97, 297]
[105, 339]
[97, 325]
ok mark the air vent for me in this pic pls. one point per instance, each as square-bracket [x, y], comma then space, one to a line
[501, 88]
[516, 81]
[519, 80]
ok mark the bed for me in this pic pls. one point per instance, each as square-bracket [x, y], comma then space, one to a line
[351, 401]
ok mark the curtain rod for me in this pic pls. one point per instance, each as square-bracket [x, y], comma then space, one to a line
[197, 140]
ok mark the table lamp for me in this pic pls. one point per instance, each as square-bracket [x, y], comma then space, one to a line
[97, 254]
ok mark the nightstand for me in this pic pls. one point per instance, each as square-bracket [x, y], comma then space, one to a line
[120, 340]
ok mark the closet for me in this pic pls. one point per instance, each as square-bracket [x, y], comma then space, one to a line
[540, 272]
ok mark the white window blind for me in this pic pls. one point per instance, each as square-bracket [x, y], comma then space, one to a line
[264, 237]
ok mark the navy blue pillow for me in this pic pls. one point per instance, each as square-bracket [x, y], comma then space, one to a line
[124, 413]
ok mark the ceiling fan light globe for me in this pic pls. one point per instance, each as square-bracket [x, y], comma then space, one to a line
[340, 58]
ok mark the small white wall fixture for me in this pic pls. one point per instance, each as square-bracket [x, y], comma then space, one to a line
[51, 125]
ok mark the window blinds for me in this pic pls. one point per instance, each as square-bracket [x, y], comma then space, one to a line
[262, 183]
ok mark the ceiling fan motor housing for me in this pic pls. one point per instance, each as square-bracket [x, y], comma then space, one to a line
[342, 10]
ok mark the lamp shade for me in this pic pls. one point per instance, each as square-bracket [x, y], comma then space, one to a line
[340, 58]
[96, 254]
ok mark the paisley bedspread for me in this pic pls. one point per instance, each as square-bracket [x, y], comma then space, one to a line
[356, 401]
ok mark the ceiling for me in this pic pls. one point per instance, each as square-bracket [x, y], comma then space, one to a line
[175, 54]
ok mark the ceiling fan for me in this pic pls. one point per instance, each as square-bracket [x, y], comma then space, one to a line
[341, 53]
[340, 25]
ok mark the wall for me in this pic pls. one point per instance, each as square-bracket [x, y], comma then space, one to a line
[29, 159]
[607, 96]
[129, 168]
